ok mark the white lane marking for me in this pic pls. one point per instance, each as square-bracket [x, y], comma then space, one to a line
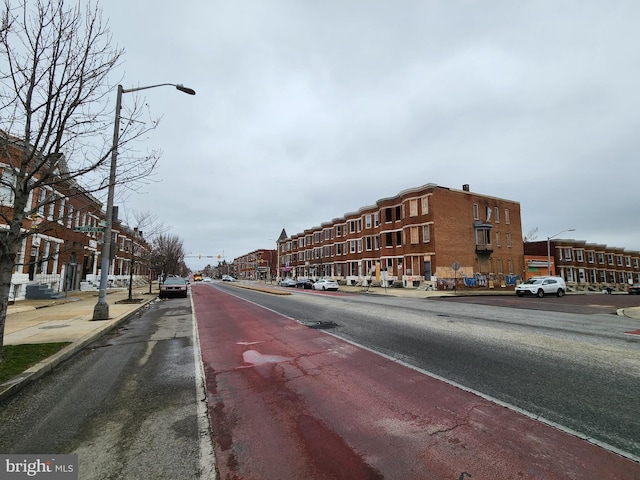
[207, 454]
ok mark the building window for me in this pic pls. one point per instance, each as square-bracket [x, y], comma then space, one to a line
[426, 234]
[590, 257]
[399, 237]
[367, 221]
[368, 243]
[600, 257]
[42, 195]
[425, 205]
[7, 185]
[398, 213]
[567, 254]
[376, 242]
[579, 256]
[414, 235]
[627, 261]
[507, 220]
[413, 207]
[610, 259]
[483, 237]
[352, 246]
[388, 215]
[497, 215]
[476, 215]
[498, 240]
[389, 239]
[376, 219]
[21, 253]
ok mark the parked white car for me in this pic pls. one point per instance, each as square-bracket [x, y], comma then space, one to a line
[541, 286]
[324, 284]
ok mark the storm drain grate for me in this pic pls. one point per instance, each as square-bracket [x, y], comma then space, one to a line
[322, 325]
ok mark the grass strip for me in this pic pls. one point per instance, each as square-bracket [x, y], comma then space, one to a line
[18, 358]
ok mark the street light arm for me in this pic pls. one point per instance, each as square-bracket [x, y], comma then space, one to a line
[549, 248]
[182, 88]
[563, 231]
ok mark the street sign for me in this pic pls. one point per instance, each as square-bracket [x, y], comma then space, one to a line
[88, 229]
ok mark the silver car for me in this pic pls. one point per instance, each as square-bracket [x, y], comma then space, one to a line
[541, 286]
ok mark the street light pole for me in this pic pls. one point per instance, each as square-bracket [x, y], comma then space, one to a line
[101, 310]
[549, 249]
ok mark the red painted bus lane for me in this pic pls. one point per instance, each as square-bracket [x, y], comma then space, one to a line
[291, 402]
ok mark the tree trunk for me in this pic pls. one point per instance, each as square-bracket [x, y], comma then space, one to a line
[7, 263]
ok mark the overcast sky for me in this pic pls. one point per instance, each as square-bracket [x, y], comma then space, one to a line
[307, 110]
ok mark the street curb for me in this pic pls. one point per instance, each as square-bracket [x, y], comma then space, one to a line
[17, 383]
[622, 312]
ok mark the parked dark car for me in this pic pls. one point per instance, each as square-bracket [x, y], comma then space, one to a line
[305, 283]
[634, 289]
[173, 287]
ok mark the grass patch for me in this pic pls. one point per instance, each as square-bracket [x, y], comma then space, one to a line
[18, 358]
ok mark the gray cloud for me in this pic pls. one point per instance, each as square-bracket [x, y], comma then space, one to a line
[308, 110]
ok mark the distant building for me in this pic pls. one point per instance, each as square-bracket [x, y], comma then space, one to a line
[257, 265]
[429, 235]
[584, 266]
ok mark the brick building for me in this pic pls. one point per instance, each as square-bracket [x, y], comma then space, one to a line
[62, 238]
[584, 266]
[430, 234]
[256, 265]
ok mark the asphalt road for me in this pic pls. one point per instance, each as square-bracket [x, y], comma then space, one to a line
[576, 370]
[127, 404]
[589, 304]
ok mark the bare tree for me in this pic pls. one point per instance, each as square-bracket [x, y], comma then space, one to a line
[55, 59]
[147, 227]
[531, 236]
[167, 256]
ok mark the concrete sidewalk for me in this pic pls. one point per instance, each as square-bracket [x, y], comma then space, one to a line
[65, 320]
